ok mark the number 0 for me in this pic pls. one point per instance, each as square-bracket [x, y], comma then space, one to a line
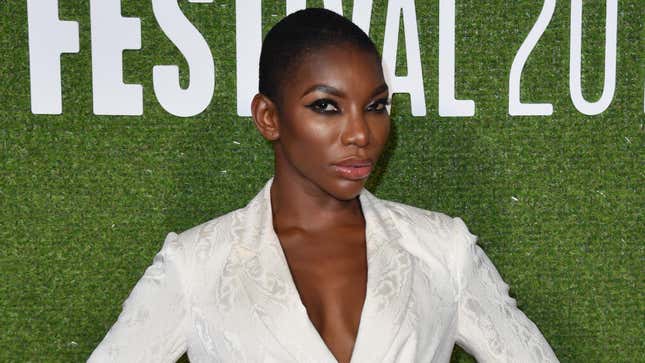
[575, 62]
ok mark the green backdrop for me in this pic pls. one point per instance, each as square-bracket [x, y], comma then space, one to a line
[86, 200]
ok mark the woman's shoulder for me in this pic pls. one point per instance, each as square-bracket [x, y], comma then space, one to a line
[207, 242]
[415, 215]
[430, 234]
[425, 221]
[440, 241]
[211, 228]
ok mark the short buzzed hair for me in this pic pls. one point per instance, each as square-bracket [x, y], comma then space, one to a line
[302, 33]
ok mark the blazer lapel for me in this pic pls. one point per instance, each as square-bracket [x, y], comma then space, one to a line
[275, 299]
[389, 283]
[270, 287]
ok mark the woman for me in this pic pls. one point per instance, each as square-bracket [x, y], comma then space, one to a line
[315, 268]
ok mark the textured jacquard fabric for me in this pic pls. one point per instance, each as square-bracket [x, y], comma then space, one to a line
[154, 322]
[490, 326]
[222, 292]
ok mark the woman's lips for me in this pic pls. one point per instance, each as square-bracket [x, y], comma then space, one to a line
[354, 170]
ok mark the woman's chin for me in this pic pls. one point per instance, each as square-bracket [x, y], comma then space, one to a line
[347, 189]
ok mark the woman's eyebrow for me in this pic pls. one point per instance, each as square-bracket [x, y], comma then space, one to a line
[380, 89]
[336, 92]
[326, 89]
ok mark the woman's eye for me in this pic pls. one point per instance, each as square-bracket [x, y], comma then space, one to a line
[323, 106]
[380, 105]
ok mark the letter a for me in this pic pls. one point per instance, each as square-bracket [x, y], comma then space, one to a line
[413, 82]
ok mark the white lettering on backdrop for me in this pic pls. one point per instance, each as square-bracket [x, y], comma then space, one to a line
[515, 106]
[448, 105]
[248, 41]
[48, 38]
[192, 45]
[412, 83]
[575, 67]
[111, 33]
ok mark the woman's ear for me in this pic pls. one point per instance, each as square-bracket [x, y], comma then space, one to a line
[265, 116]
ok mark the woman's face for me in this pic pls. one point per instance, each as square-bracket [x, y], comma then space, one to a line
[333, 123]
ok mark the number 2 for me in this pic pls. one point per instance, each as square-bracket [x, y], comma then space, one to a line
[515, 106]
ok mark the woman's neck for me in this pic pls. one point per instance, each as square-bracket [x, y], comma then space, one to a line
[299, 203]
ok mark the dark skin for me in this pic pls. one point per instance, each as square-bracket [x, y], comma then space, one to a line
[331, 111]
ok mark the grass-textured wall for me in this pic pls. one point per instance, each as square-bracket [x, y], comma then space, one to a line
[557, 201]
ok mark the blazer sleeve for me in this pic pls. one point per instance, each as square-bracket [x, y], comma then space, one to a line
[489, 325]
[152, 326]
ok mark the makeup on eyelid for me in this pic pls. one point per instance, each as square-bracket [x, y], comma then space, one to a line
[317, 106]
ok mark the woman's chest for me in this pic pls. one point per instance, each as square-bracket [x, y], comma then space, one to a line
[253, 313]
[329, 272]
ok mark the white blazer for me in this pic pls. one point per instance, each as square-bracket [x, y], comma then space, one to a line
[223, 292]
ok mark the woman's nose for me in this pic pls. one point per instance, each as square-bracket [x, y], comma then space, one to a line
[356, 130]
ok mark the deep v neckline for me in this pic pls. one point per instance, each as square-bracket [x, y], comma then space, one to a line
[274, 299]
[291, 285]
